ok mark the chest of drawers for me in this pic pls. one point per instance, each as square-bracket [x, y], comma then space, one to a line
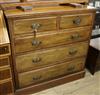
[49, 44]
[6, 85]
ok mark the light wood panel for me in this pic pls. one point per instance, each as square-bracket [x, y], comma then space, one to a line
[9, 1]
[23, 44]
[29, 25]
[50, 72]
[37, 59]
[75, 20]
[4, 39]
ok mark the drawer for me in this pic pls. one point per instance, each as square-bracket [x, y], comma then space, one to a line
[29, 25]
[4, 50]
[6, 88]
[49, 40]
[49, 73]
[5, 73]
[38, 59]
[4, 61]
[73, 21]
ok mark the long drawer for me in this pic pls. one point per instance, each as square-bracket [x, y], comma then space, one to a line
[48, 73]
[29, 43]
[38, 59]
[28, 25]
[75, 21]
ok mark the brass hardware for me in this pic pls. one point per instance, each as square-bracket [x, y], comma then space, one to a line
[36, 60]
[37, 77]
[4, 50]
[73, 52]
[77, 21]
[36, 42]
[75, 36]
[70, 69]
[35, 27]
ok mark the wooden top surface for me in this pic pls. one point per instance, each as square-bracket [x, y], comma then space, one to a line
[4, 39]
[60, 1]
[10, 10]
[9, 1]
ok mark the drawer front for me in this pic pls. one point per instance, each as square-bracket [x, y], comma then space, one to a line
[49, 40]
[75, 21]
[50, 57]
[5, 74]
[4, 50]
[44, 74]
[9, 1]
[4, 61]
[6, 88]
[39, 24]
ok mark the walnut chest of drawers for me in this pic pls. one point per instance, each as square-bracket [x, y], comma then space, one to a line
[6, 85]
[49, 44]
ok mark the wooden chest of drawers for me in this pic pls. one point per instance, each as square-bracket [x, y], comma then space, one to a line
[49, 44]
[6, 85]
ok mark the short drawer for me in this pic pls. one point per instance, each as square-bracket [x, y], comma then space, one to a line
[49, 40]
[4, 50]
[49, 73]
[73, 21]
[29, 25]
[5, 73]
[4, 61]
[6, 88]
[38, 59]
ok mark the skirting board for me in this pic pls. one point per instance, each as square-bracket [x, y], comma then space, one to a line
[49, 84]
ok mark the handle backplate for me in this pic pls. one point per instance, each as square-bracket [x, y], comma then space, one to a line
[77, 21]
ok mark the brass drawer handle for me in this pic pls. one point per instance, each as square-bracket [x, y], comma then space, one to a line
[36, 60]
[35, 26]
[77, 21]
[70, 69]
[75, 36]
[36, 42]
[37, 77]
[72, 52]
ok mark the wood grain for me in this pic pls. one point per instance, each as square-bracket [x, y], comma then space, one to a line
[43, 11]
[34, 60]
[33, 77]
[7, 86]
[4, 61]
[4, 39]
[25, 25]
[60, 1]
[68, 21]
[51, 39]
[5, 73]
[26, 59]
[8, 1]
